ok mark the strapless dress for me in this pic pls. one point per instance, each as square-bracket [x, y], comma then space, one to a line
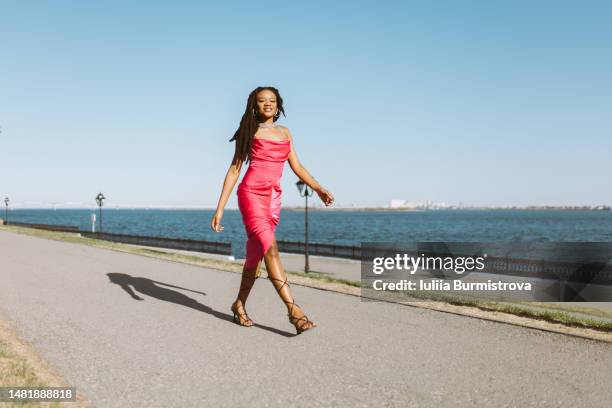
[259, 196]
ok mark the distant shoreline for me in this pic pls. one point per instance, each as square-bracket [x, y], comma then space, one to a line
[599, 208]
[348, 209]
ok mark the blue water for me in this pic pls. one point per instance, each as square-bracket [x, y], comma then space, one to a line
[349, 227]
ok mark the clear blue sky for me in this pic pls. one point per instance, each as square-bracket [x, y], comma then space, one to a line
[480, 102]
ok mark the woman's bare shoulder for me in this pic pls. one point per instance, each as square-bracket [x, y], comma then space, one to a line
[286, 131]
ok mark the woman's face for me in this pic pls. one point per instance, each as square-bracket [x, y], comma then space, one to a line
[266, 104]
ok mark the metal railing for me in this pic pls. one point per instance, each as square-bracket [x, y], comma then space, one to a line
[49, 227]
[337, 251]
[585, 270]
[592, 272]
[213, 247]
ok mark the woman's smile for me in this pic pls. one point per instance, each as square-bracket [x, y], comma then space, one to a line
[266, 104]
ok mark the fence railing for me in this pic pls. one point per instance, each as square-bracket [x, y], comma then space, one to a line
[213, 247]
[592, 272]
[49, 227]
[314, 248]
[586, 270]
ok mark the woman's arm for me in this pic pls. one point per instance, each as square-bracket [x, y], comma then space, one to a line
[232, 175]
[305, 176]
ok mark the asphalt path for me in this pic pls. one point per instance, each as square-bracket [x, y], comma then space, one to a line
[133, 331]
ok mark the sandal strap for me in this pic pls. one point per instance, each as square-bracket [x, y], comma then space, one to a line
[292, 319]
[242, 314]
[285, 283]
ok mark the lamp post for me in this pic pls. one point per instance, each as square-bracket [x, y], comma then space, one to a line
[305, 191]
[6, 203]
[100, 200]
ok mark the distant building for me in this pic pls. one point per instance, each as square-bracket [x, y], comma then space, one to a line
[417, 205]
[405, 204]
[397, 203]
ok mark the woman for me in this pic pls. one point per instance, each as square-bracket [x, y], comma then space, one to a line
[266, 145]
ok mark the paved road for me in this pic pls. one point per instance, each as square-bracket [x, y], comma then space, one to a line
[178, 347]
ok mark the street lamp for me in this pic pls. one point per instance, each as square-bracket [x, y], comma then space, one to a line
[305, 191]
[6, 203]
[100, 200]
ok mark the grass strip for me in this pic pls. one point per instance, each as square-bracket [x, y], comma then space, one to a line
[553, 316]
[16, 371]
[571, 308]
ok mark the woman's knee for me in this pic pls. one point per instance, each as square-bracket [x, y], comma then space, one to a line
[250, 271]
[272, 252]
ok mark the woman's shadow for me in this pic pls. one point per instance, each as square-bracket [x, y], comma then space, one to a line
[152, 288]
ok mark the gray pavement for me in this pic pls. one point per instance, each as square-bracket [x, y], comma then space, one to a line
[177, 347]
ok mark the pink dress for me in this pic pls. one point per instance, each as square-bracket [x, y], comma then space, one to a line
[259, 196]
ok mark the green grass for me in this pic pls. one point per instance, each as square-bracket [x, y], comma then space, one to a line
[16, 371]
[572, 308]
[553, 316]
[325, 278]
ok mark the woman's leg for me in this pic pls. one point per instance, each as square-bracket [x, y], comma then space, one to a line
[249, 275]
[246, 284]
[278, 277]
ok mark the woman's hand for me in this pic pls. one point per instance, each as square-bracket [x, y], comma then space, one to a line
[215, 223]
[325, 196]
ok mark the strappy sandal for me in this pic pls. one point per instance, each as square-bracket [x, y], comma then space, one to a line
[306, 324]
[241, 318]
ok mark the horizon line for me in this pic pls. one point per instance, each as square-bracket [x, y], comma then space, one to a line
[343, 207]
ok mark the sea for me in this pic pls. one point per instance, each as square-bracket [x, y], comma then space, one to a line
[346, 227]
